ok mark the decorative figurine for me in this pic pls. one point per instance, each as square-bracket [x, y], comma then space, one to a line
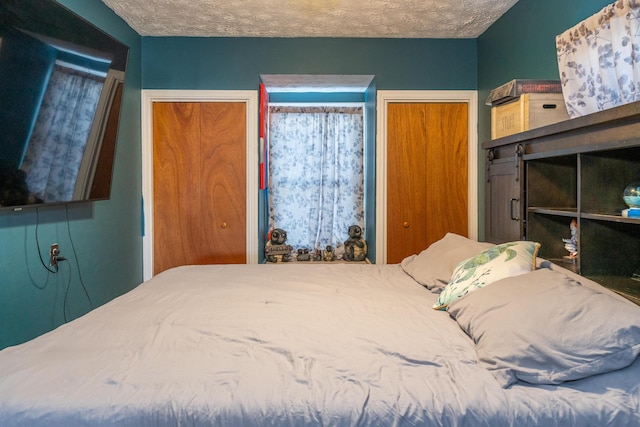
[571, 245]
[328, 253]
[275, 249]
[355, 247]
[303, 255]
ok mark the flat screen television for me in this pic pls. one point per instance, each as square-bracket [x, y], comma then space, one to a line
[61, 87]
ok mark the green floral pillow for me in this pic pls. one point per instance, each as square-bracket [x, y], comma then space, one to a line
[490, 265]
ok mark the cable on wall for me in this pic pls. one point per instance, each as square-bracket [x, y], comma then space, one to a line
[56, 269]
[75, 256]
[66, 295]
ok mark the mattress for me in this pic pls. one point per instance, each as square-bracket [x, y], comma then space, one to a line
[284, 345]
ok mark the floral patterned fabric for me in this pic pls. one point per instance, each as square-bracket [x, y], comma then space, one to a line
[53, 157]
[492, 264]
[316, 173]
[598, 59]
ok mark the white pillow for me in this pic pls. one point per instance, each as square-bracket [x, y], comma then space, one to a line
[545, 328]
[495, 263]
[433, 266]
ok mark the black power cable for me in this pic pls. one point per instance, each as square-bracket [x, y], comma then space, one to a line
[56, 267]
[75, 255]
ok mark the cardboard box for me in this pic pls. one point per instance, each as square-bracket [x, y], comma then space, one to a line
[528, 111]
[514, 88]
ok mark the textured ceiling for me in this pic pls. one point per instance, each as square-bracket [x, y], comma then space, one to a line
[311, 18]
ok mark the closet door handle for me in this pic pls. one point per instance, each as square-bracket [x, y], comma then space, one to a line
[224, 225]
[511, 210]
[406, 224]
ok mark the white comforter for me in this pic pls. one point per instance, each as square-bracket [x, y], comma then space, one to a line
[283, 345]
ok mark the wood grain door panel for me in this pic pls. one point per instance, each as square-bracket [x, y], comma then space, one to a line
[199, 183]
[447, 170]
[406, 177]
[223, 166]
[175, 197]
[427, 175]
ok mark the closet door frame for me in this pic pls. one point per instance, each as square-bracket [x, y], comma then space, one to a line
[385, 97]
[250, 99]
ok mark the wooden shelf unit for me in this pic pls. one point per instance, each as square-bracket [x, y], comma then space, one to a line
[572, 170]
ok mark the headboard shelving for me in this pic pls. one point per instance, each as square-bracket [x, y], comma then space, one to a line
[540, 180]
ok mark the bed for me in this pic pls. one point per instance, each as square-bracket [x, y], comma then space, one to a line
[311, 344]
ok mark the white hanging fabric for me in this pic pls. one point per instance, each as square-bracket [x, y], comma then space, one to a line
[598, 59]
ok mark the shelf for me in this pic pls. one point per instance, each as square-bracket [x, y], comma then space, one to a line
[604, 176]
[624, 286]
[569, 212]
[552, 183]
[576, 170]
[611, 218]
[549, 230]
[573, 213]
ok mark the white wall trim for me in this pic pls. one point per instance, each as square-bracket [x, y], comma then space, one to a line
[384, 97]
[250, 98]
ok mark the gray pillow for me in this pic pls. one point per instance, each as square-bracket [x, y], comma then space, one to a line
[545, 328]
[433, 266]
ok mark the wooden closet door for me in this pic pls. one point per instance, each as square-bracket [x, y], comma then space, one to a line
[199, 183]
[427, 175]
[224, 189]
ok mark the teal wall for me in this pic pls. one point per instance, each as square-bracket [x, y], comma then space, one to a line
[236, 63]
[521, 45]
[106, 234]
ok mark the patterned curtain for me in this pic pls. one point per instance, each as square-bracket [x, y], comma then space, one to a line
[59, 137]
[598, 59]
[316, 174]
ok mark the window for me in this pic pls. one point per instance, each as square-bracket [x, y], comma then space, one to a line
[316, 173]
